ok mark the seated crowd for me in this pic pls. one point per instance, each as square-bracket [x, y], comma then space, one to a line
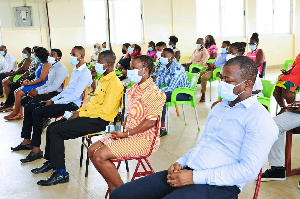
[239, 131]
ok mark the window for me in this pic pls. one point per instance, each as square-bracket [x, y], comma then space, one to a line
[217, 18]
[125, 21]
[273, 16]
[0, 36]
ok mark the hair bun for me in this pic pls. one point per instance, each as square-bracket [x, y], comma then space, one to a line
[254, 36]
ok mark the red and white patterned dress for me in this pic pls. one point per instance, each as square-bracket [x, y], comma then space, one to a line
[145, 101]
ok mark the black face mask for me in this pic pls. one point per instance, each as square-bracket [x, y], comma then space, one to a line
[124, 51]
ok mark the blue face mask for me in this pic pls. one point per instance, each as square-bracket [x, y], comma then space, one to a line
[225, 91]
[170, 46]
[164, 61]
[37, 60]
[103, 49]
[130, 50]
[2, 53]
[24, 56]
[223, 50]
[150, 49]
[96, 49]
[133, 75]
[73, 60]
[99, 68]
[252, 47]
[67, 114]
[32, 55]
[198, 46]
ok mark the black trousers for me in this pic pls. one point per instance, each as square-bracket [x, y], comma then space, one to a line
[43, 97]
[33, 119]
[155, 186]
[2, 77]
[62, 130]
[10, 100]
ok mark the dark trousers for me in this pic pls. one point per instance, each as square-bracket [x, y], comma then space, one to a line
[2, 76]
[10, 100]
[43, 97]
[155, 186]
[33, 119]
[62, 130]
[179, 97]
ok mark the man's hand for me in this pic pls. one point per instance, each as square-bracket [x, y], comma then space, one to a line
[75, 115]
[25, 82]
[124, 72]
[285, 72]
[33, 93]
[180, 178]
[118, 134]
[174, 168]
[47, 103]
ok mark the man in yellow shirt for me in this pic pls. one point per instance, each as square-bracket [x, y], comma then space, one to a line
[90, 118]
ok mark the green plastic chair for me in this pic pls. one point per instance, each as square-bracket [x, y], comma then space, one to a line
[193, 79]
[214, 78]
[268, 89]
[16, 77]
[192, 66]
[210, 60]
[287, 62]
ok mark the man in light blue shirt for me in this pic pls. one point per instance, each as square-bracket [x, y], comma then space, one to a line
[234, 146]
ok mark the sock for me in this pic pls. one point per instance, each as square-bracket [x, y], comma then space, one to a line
[61, 171]
[163, 124]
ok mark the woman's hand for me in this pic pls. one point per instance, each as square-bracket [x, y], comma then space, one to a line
[75, 115]
[118, 134]
[25, 82]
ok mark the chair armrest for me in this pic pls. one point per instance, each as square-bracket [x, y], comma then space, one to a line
[217, 70]
[210, 60]
[181, 90]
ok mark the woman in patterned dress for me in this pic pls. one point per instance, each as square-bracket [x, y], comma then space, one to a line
[145, 103]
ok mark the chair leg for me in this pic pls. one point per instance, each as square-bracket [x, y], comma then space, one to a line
[127, 167]
[288, 152]
[87, 157]
[197, 119]
[184, 115]
[176, 107]
[136, 169]
[81, 154]
[168, 114]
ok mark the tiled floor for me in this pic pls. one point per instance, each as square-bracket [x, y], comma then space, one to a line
[16, 180]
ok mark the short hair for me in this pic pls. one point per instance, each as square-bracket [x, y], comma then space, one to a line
[28, 49]
[4, 47]
[169, 50]
[227, 43]
[137, 47]
[34, 48]
[59, 53]
[42, 54]
[248, 68]
[127, 45]
[161, 43]
[255, 37]
[147, 62]
[109, 56]
[173, 39]
[151, 43]
[80, 48]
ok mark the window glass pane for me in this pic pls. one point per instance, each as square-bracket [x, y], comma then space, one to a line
[282, 16]
[95, 22]
[208, 18]
[232, 15]
[125, 21]
[264, 15]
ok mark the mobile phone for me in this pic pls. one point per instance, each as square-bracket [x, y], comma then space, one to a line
[292, 108]
[110, 128]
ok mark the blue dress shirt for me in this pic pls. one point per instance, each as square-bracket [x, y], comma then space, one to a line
[80, 78]
[234, 145]
[173, 77]
[220, 60]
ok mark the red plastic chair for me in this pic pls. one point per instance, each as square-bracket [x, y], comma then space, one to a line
[139, 159]
[257, 185]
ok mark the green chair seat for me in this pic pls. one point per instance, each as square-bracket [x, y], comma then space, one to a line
[16, 77]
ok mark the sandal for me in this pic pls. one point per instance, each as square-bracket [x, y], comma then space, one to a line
[6, 109]
[16, 117]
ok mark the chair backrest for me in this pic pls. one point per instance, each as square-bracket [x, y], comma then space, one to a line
[64, 84]
[268, 87]
[257, 185]
[287, 62]
[193, 79]
[155, 136]
[84, 95]
[263, 72]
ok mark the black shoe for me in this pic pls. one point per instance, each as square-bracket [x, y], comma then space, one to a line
[46, 122]
[275, 173]
[22, 147]
[54, 179]
[46, 167]
[31, 157]
[163, 132]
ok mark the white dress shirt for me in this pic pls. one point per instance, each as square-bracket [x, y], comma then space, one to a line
[7, 63]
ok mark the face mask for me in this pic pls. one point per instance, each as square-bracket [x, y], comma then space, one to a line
[223, 50]
[103, 49]
[37, 60]
[150, 49]
[225, 91]
[252, 47]
[99, 68]
[51, 60]
[96, 49]
[73, 60]
[164, 61]
[32, 55]
[2, 53]
[130, 50]
[158, 53]
[133, 75]
[124, 51]
[170, 46]
[67, 114]
[230, 56]
[198, 46]
[25, 56]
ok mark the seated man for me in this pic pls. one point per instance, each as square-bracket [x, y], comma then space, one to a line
[90, 118]
[200, 56]
[139, 131]
[173, 75]
[159, 48]
[234, 145]
[285, 122]
[7, 64]
[208, 73]
[68, 100]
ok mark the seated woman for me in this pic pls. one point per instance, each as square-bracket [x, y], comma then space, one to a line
[152, 51]
[257, 55]
[145, 103]
[94, 59]
[125, 47]
[172, 44]
[287, 85]
[41, 76]
[210, 45]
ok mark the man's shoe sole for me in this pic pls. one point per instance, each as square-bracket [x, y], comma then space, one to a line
[60, 182]
[272, 179]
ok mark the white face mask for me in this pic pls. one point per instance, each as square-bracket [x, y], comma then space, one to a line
[225, 91]
[99, 68]
[133, 75]
[25, 56]
[51, 60]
